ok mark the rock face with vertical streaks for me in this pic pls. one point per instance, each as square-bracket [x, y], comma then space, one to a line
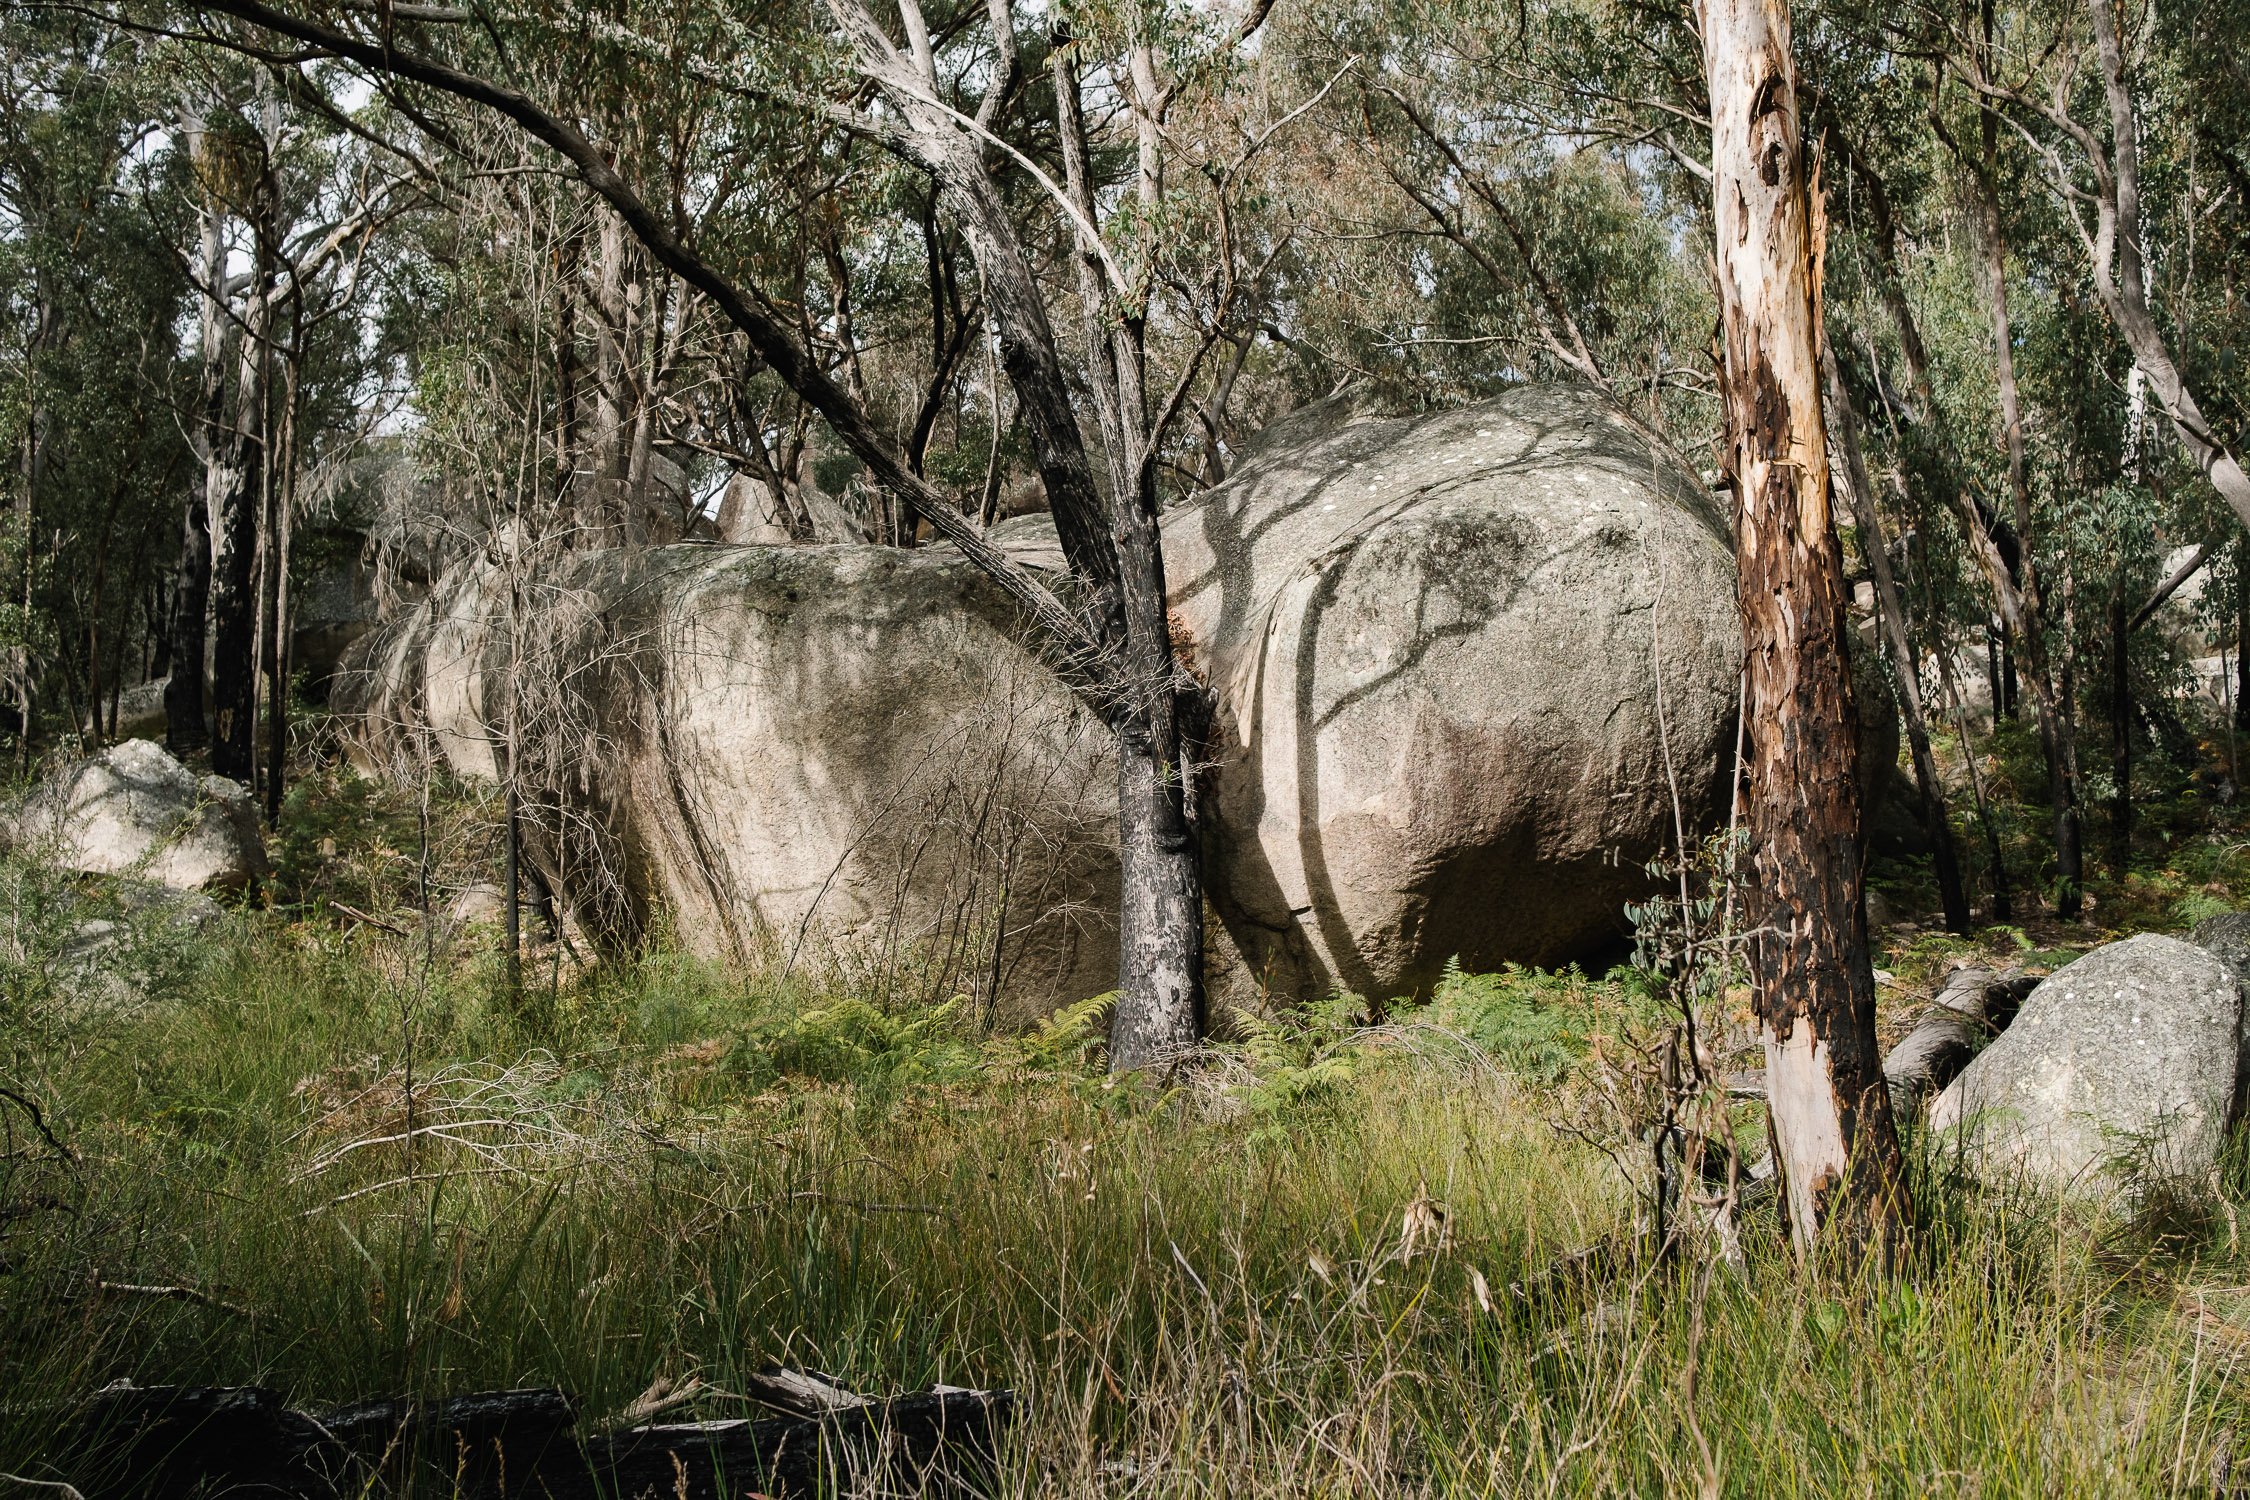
[1467, 673]
[1463, 664]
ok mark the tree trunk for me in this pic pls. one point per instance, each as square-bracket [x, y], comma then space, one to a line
[284, 485]
[1830, 1112]
[2121, 280]
[2014, 579]
[2241, 631]
[234, 601]
[2121, 732]
[611, 513]
[184, 727]
[2070, 816]
[1159, 1014]
[1945, 861]
[511, 892]
[1162, 914]
[2003, 898]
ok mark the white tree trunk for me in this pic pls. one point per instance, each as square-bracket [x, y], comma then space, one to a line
[1830, 1113]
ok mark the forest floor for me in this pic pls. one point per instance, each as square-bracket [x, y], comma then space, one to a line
[1344, 1257]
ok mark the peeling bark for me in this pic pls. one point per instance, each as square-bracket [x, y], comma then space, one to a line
[1830, 1112]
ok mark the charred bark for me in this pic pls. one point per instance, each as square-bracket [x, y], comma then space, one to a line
[1161, 915]
[1815, 995]
[187, 643]
[184, 727]
[2120, 733]
[234, 597]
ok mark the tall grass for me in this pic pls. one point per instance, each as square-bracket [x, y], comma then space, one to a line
[369, 1177]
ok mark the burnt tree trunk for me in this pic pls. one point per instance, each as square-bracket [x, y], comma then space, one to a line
[1160, 916]
[2121, 731]
[234, 595]
[282, 482]
[184, 727]
[1834, 1140]
[1114, 551]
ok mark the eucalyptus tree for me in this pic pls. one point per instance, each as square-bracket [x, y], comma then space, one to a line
[285, 205]
[91, 292]
[1991, 178]
[954, 100]
[2066, 84]
[1834, 1140]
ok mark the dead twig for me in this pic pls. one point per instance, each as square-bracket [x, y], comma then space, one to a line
[366, 918]
[171, 1293]
[39, 1123]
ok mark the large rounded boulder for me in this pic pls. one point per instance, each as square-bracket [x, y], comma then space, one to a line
[1466, 669]
[1464, 672]
[838, 758]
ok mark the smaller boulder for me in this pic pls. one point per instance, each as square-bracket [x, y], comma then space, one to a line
[2228, 936]
[134, 810]
[480, 905]
[2119, 1071]
[111, 962]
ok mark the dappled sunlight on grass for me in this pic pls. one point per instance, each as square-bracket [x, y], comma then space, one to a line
[1344, 1255]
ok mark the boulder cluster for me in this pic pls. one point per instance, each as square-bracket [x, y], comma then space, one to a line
[133, 810]
[1467, 673]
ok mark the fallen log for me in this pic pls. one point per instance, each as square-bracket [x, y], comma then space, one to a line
[936, 1443]
[178, 1442]
[1974, 1006]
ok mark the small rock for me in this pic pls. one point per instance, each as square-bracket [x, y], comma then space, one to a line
[133, 810]
[109, 962]
[2119, 1071]
[480, 905]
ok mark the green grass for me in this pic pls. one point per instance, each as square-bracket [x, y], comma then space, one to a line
[1203, 1291]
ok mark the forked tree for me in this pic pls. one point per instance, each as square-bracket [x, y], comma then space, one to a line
[1107, 631]
[1834, 1140]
